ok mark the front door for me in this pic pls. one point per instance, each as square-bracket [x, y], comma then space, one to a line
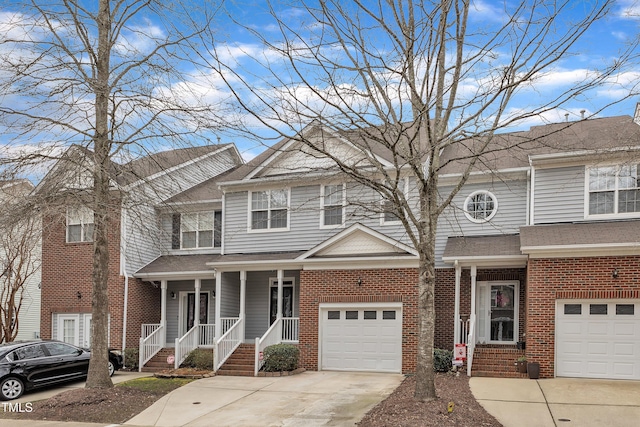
[497, 312]
[287, 300]
[69, 328]
[191, 309]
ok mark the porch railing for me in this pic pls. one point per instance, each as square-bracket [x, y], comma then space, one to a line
[184, 345]
[471, 343]
[208, 335]
[227, 323]
[290, 329]
[151, 342]
[284, 329]
[464, 331]
[228, 342]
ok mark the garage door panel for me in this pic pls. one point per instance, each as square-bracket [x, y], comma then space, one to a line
[373, 342]
[598, 339]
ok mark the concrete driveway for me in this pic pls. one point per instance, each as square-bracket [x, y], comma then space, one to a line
[310, 399]
[559, 402]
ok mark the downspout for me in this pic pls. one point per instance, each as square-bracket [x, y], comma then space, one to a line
[123, 268]
[530, 193]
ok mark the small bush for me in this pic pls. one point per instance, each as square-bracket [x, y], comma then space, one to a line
[131, 357]
[442, 360]
[281, 357]
[199, 358]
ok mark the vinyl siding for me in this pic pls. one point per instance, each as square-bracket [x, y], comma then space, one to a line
[559, 195]
[181, 288]
[511, 214]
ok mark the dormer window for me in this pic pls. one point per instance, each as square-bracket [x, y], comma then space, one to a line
[614, 190]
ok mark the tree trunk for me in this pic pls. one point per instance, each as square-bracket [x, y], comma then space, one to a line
[98, 376]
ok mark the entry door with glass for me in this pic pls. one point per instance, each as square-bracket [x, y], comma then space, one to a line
[497, 312]
[287, 300]
[191, 309]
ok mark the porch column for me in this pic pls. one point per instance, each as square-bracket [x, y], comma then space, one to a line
[473, 292]
[163, 310]
[243, 292]
[280, 277]
[456, 310]
[196, 309]
[218, 323]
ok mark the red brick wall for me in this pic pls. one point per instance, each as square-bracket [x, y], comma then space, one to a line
[571, 278]
[66, 270]
[385, 285]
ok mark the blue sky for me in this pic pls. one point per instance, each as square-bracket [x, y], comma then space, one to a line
[599, 45]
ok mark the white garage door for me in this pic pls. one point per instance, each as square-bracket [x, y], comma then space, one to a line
[361, 337]
[598, 339]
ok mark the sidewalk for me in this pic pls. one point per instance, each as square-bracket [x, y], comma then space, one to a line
[559, 401]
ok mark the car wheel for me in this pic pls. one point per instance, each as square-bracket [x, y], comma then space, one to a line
[11, 388]
[112, 368]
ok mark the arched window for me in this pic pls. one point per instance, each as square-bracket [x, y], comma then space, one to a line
[480, 206]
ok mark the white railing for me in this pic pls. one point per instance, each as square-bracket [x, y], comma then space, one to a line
[271, 337]
[471, 343]
[464, 331]
[184, 345]
[290, 329]
[151, 342]
[227, 343]
[227, 323]
[208, 335]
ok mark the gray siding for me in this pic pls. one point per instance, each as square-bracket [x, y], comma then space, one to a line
[173, 305]
[559, 195]
[511, 214]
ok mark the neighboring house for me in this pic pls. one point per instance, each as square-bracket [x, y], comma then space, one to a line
[139, 189]
[539, 255]
[20, 252]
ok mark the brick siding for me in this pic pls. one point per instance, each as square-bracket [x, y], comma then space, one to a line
[67, 269]
[571, 278]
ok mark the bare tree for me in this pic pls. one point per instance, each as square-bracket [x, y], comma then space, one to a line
[413, 79]
[114, 76]
[19, 254]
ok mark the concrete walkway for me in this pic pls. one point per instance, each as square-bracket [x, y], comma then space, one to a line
[559, 401]
[310, 399]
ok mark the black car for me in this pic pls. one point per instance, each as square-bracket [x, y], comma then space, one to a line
[27, 365]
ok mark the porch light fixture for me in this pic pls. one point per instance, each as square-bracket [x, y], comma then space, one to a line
[614, 273]
[79, 295]
[359, 281]
[173, 295]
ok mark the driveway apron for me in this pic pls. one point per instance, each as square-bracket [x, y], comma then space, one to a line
[558, 402]
[310, 399]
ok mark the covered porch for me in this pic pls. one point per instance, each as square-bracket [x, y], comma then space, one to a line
[249, 303]
[489, 300]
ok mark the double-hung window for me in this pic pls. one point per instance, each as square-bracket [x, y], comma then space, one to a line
[197, 230]
[79, 225]
[333, 202]
[388, 207]
[614, 190]
[269, 209]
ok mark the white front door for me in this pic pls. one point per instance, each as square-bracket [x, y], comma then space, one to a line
[497, 312]
[361, 337]
[598, 339]
[69, 328]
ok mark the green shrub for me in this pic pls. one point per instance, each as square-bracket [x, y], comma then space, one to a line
[131, 357]
[199, 358]
[281, 357]
[442, 360]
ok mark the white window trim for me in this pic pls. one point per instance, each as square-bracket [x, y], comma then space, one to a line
[587, 195]
[286, 281]
[268, 229]
[213, 231]
[344, 204]
[405, 190]
[82, 224]
[483, 220]
[516, 311]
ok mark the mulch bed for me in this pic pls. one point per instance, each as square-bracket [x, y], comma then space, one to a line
[401, 409]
